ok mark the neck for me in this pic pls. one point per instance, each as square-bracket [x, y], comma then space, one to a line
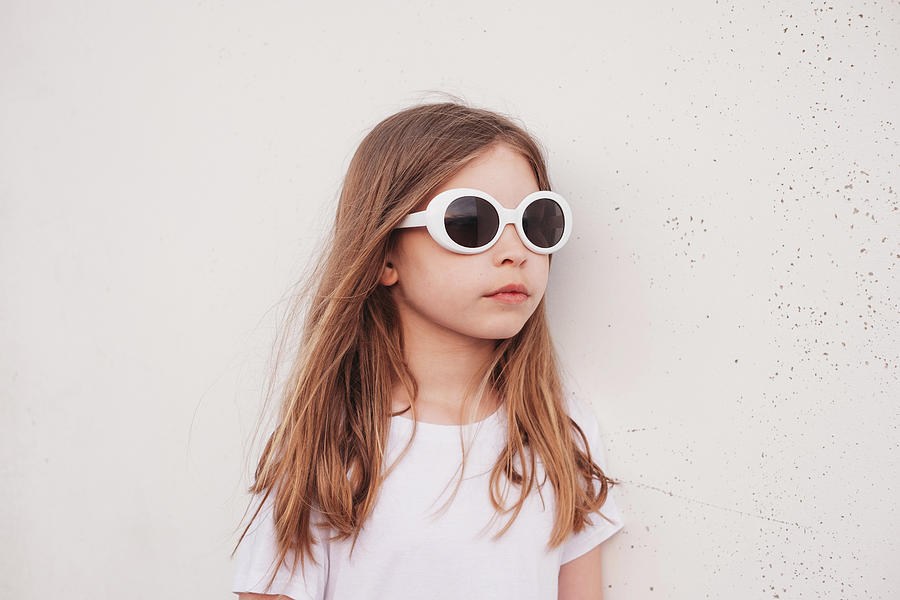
[444, 364]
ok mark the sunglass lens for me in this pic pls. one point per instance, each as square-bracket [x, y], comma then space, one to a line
[471, 221]
[544, 222]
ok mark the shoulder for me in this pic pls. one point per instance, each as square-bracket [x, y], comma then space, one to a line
[258, 556]
[576, 406]
[581, 411]
[584, 415]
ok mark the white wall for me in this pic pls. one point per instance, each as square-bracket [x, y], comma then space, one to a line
[729, 302]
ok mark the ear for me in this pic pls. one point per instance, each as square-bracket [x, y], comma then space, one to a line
[389, 274]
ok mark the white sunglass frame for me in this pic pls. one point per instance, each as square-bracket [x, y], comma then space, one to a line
[433, 219]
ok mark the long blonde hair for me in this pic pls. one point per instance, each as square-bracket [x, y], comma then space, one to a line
[327, 450]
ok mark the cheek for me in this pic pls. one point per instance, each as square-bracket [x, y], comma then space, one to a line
[456, 281]
[541, 272]
[423, 268]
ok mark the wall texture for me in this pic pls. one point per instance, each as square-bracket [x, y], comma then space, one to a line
[729, 301]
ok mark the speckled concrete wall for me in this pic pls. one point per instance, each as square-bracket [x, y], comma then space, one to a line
[746, 298]
[728, 303]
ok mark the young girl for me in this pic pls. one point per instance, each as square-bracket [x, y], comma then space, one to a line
[425, 358]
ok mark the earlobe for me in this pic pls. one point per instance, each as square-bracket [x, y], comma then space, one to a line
[389, 275]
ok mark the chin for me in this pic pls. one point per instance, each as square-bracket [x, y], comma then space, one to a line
[502, 333]
[494, 326]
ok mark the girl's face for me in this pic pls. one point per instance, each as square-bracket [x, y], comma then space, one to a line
[449, 293]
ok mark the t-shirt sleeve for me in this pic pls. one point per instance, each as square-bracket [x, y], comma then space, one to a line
[600, 529]
[257, 553]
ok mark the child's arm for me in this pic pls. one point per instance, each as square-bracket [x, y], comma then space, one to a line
[580, 579]
[579, 572]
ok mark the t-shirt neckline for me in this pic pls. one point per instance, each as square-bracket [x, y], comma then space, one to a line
[442, 431]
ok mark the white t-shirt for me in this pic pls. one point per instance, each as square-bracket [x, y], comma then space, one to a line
[407, 549]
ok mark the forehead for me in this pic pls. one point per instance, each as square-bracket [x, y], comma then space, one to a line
[501, 171]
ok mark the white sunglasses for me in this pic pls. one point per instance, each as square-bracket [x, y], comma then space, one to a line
[469, 221]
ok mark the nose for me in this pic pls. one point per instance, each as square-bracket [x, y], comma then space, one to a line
[509, 248]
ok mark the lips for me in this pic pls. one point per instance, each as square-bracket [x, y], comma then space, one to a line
[513, 288]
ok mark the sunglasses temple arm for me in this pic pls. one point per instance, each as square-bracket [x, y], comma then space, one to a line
[416, 219]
